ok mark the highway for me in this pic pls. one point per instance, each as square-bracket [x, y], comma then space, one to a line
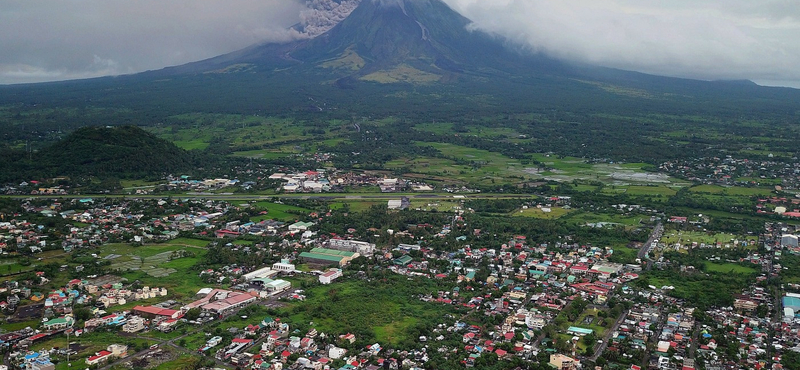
[174, 341]
[607, 338]
[315, 196]
[658, 230]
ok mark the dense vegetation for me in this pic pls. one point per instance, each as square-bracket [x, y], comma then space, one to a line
[103, 152]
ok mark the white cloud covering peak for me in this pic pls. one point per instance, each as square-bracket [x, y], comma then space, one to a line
[57, 40]
[704, 39]
[46, 40]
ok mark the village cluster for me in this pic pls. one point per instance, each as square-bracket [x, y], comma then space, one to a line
[564, 303]
[731, 171]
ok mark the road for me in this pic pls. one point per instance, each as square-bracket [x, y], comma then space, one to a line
[658, 230]
[320, 196]
[173, 342]
[607, 338]
[695, 340]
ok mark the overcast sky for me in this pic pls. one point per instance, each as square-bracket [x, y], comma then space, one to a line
[45, 40]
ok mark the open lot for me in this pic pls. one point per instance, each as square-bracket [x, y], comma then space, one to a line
[552, 213]
[166, 265]
[383, 311]
[727, 268]
[278, 211]
[688, 237]
[731, 190]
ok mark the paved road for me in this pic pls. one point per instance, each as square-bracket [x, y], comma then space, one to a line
[325, 196]
[173, 342]
[607, 338]
[695, 340]
[658, 230]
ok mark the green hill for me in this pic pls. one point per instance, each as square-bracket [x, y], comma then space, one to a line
[99, 152]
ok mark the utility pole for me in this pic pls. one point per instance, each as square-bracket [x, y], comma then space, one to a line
[68, 349]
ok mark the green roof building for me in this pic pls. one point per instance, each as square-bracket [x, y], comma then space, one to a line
[403, 260]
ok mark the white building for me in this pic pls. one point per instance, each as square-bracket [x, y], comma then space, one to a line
[789, 240]
[336, 352]
[330, 276]
[401, 203]
[362, 248]
[535, 321]
[133, 325]
[265, 272]
[277, 285]
[283, 266]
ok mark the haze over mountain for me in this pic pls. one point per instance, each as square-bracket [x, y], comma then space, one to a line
[386, 51]
[416, 41]
[705, 39]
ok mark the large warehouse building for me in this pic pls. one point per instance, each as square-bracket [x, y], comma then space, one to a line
[325, 256]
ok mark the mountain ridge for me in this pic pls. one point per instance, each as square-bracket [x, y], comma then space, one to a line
[386, 59]
[426, 35]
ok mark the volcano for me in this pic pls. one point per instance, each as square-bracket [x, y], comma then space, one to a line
[416, 41]
[402, 57]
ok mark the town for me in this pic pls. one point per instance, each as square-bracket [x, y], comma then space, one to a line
[249, 284]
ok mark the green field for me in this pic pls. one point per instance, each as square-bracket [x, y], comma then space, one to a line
[650, 190]
[381, 310]
[599, 329]
[154, 265]
[90, 343]
[583, 218]
[727, 268]
[464, 164]
[623, 254]
[278, 211]
[555, 212]
[567, 169]
[189, 242]
[438, 205]
[356, 206]
[137, 183]
[11, 266]
[260, 153]
[479, 129]
[733, 190]
[688, 237]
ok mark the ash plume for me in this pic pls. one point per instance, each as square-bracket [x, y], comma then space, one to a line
[322, 15]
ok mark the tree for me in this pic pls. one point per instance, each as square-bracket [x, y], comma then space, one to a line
[82, 314]
[192, 314]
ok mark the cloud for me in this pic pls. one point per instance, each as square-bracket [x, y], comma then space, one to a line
[46, 40]
[704, 39]
[322, 15]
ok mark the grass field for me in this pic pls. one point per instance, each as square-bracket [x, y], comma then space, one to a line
[356, 206]
[11, 266]
[137, 183]
[278, 211]
[688, 237]
[477, 129]
[484, 167]
[623, 254]
[381, 310]
[650, 190]
[584, 218]
[438, 205]
[555, 212]
[153, 265]
[196, 131]
[734, 190]
[261, 153]
[727, 268]
[599, 330]
[566, 169]
[189, 242]
[90, 344]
